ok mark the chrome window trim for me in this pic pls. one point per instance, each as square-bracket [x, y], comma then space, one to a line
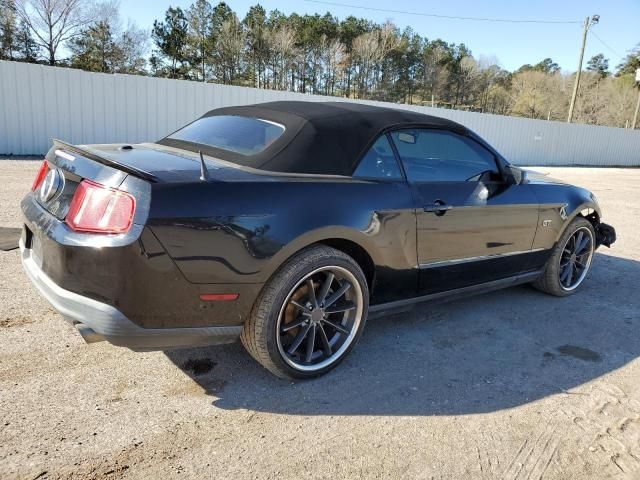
[275, 124]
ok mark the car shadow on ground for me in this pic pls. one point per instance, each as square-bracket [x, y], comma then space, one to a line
[480, 354]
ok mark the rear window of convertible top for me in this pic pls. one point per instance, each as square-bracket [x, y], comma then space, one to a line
[243, 135]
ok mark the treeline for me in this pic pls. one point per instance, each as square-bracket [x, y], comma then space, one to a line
[317, 54]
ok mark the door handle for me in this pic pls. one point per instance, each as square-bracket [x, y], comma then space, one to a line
[438, 207]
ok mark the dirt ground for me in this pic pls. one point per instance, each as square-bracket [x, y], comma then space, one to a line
[513, 384]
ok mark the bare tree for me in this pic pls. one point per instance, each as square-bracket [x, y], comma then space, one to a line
[107, 12]
[489, 76]
[365, 52]
[133, 43]
[619, 94]
[53, 21]
[199, 38]
[499, 100]
[539, 95]
[468, 79]
[590, 103]
[335, 60]
[369, 50]
[282, 47]
[435, 70]
[230, 48]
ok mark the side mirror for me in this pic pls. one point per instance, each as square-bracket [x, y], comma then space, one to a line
[516, 176]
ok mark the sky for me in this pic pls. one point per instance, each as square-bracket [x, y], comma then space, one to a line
[511, 44]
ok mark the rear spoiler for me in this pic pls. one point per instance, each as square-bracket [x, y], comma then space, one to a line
[84, 152]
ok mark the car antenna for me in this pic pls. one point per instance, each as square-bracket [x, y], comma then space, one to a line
[204, 173]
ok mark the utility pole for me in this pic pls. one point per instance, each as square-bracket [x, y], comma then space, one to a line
[588, 22]
[635, 115]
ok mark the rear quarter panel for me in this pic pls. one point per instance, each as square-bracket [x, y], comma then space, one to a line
[242, 232]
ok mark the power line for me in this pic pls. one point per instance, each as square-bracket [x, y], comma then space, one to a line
[449, 17]
[607, 46]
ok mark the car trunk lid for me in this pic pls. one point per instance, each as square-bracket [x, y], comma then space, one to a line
[160, 164]
[68, 165]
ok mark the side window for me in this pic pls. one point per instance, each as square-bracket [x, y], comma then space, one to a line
[379, 162]
[442, 156]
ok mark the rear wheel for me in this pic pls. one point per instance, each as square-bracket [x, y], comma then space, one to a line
[309, 315]
[570, 261]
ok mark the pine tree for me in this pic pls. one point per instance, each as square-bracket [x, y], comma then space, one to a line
[27, 46]
[8, 31]
[170, 38]
[599, 65]
[95, 49]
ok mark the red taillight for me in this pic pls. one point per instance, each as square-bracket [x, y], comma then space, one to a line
[42, 172]
[99, 209]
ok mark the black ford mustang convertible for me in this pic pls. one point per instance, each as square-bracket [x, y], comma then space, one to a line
[286, 224]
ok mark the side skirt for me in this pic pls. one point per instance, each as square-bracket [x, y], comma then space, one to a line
[405, 305]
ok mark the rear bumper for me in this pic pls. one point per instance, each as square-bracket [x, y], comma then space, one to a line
[99, 321]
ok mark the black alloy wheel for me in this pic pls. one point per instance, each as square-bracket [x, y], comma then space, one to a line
[309, 315]
[575, 259]
[320, 318]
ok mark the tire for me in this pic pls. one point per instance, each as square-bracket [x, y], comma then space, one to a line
[554, 280]
[280, 313]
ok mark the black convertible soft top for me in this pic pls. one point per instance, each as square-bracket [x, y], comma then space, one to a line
[319, 138]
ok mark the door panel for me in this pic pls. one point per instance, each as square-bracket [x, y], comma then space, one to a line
[456, 246]
[472, 226]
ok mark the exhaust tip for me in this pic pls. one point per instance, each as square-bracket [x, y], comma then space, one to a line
[88, 334]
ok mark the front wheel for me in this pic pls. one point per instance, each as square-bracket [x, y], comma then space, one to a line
[309, 315]
[570, 261]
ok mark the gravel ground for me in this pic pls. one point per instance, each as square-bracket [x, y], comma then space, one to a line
[512, 384]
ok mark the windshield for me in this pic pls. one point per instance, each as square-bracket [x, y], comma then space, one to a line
[243, 135]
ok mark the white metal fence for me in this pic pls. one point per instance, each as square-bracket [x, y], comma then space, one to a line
[38, 103]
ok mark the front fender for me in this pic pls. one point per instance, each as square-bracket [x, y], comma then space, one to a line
[559, 205]
[581, 201]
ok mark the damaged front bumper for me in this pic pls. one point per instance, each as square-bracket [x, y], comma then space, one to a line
[605, 235]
